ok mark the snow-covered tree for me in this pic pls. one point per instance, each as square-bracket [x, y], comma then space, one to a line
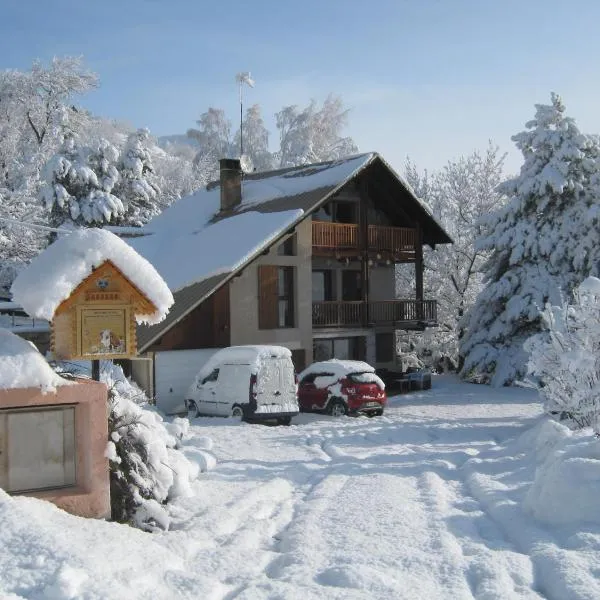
[256, 140]
[137, 187]
[459, 195]
[213, 136]
[537, 243]
[564, 361]
[313, 134]
[19, 242]
[36, 110]
[79, 184]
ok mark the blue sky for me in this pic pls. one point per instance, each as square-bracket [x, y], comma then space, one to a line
[432, 79]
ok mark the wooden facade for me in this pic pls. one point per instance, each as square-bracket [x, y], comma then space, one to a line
[207, 326]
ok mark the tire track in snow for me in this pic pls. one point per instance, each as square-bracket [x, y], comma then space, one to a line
[493, 567]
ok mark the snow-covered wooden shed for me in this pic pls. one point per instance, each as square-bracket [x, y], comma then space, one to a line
[93, 288]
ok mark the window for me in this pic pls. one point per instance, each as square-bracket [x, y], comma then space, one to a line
[337, 212]
[286, 296]
[38, 448]
[323, 289]
[341, 348]
[212, 377]
[276, 297]
[287, 247]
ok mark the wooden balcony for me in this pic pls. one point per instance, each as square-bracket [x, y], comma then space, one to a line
[342, 239]
[412, 314]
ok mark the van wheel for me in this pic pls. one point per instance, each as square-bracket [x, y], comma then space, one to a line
[192, 409]
[237, 412]
[284, 421]
[337, 408]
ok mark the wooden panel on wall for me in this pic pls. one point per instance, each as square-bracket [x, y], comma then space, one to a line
[207, 326]
[221, 317]
[268, 296]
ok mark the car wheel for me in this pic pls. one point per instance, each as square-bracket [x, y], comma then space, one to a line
[337, 408]
[376, 413]
[192, 409]
[284, 421]
[237, 412]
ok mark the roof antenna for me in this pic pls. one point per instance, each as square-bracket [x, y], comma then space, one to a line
[242, 78]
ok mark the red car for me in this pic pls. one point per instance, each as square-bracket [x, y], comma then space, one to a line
[341, 387]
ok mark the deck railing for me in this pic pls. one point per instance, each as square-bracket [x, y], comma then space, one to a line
[342, 314]
[345, 236]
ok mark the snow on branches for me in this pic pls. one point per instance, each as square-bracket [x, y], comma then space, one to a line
[541, 242]
[79, 182]
[146, 468]
[564, 361]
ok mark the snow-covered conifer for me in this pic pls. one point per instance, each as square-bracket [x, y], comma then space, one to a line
[79, 184]
[535, 244]
[137, 188]
[146, 468]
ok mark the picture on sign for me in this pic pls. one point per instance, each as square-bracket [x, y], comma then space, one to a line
[103, 331]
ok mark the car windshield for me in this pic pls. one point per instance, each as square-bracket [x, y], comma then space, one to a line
[365, 377]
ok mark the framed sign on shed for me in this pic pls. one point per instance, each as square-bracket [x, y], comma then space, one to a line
[104, 332]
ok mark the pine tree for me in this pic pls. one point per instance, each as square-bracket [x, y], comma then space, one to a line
[79, 182]
[534, 244]
[136, 187]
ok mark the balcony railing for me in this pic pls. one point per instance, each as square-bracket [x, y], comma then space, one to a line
[330, 237]
[384, 312]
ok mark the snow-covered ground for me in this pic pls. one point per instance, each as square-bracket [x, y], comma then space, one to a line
[433, 500]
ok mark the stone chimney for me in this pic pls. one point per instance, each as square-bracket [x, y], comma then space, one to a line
[231, 182]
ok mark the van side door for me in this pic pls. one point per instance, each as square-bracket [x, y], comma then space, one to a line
[233, 388]
[207, 394]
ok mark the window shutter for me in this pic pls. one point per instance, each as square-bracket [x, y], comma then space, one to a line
[268, 295]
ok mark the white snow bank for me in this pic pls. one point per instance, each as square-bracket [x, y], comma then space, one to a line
[48, 553]
[566, 487]
[59, 269]
[22, 366]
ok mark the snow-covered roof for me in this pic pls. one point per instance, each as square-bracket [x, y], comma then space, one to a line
[55, 273]
[22, 366]
[250, 355]
[189, 242]
[338, 368]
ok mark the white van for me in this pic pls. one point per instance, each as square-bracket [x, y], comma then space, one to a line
[250, 382]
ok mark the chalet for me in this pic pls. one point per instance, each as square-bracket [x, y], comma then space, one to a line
[302, 257]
